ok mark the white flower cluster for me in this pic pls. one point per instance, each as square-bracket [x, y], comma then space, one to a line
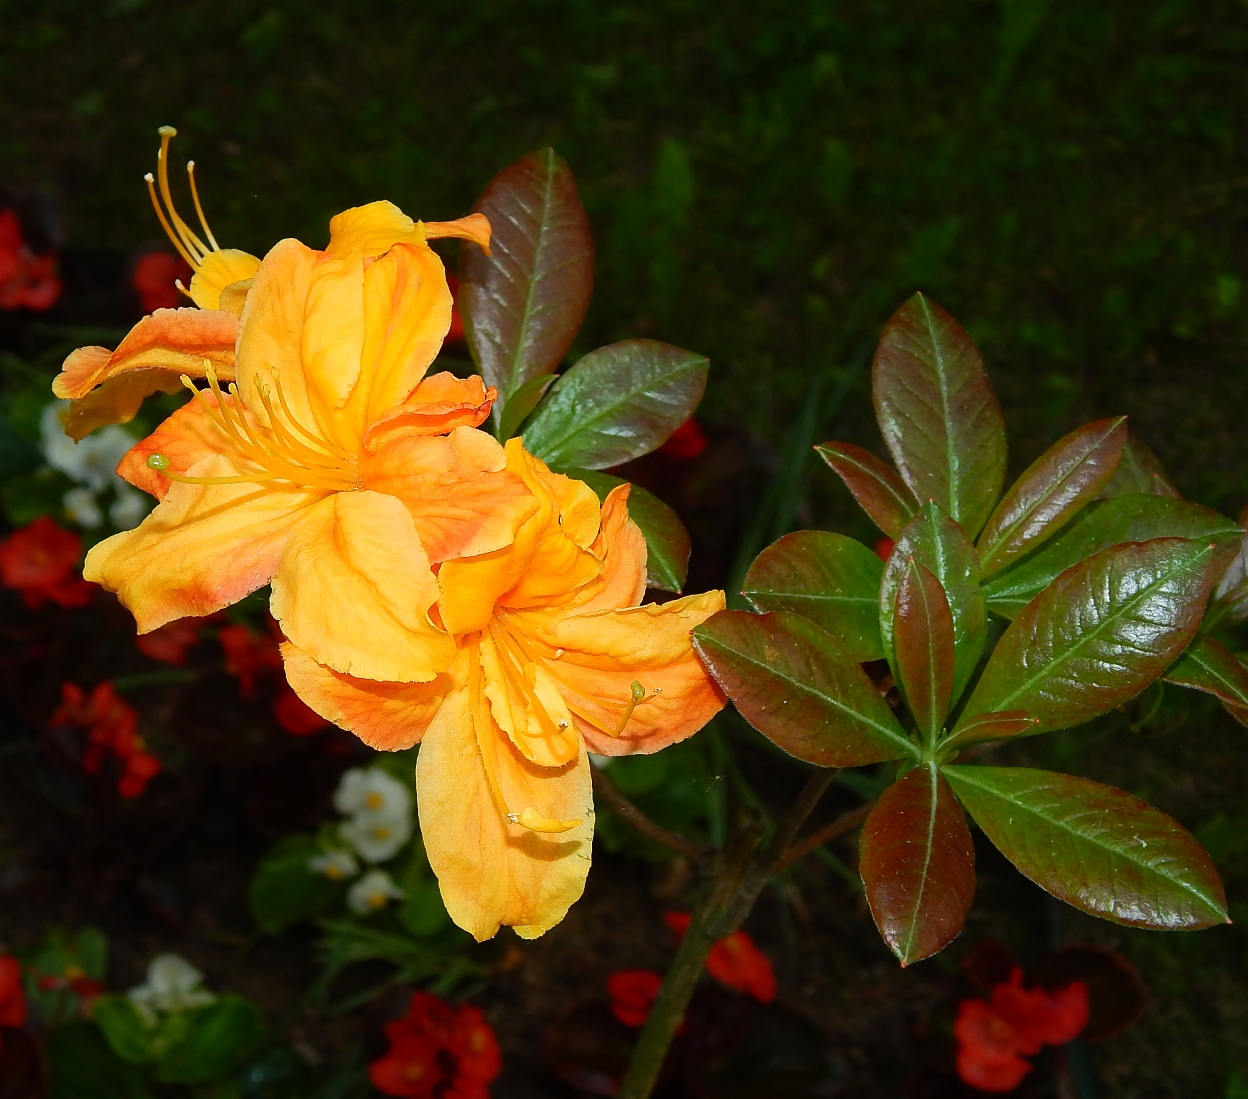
[378, 808]
[172, 985]
[92, 465]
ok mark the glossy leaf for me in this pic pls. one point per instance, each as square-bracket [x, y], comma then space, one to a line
[1211, 667]
[918, 864]
[832, 580]
[938, 543]
[991, 726]
[1095, 847]
[923, 643]
[1134, 518]
[874, 484]
[1139, 470]
[1230, 602]
[616, 404]
[521, 404]
[799, 687]
[1099, 634]
[938, 413]
[667, 541]
[1054, 487]
[524, 303]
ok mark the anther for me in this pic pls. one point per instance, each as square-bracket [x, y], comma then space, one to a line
[157, 462]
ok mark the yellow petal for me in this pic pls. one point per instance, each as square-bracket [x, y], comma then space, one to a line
[385, 716]
[201, 549]
[475, 227]
[455, 487]
[439, 404]
[526, 704]
[371, 229]
[117, 400]
[354, 589]
[493, 871]
[332, 347]
[621, 547]
[218, 270]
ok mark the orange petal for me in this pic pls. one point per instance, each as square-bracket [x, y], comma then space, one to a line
[437, 405]
[526, 704]
[371, 229]
[621, 547]
[493, 871]
[456, 489]
[385, 716]
[596, 658]
[354, 590]
[474, 227]
[216, 271]
[117, 400]
[202, 548]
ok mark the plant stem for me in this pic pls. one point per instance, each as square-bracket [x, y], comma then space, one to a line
[613, 798]
[846, 822]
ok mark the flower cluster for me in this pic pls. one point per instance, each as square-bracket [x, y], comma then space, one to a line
[90, 464]
[438, 1051]
[433, 585]
[995, 1037]
[111, 727]
[27, 281]
[41, 562]
[172, 985]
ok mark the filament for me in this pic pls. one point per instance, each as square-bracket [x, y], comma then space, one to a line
[181, 235]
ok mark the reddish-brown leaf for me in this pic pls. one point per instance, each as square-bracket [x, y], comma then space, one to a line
[993, 726]
[874, 484]
[923, 646]
[1211, 667]
[1055, 486]
[918, 864]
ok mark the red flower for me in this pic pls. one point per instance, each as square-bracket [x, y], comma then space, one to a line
[296, 716]
[736, 961]
[686, 442]
[169, 642]
[41, 561]
[632, 993]
[12, 999]
[111, 731]
[154, 278]
[883, 548]
[438, 1051]
[249, 655]
[26, 280]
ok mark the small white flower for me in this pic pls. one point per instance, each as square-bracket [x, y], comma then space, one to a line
[335, 865]
[82, 508]
[373, 891]
[130, 507]
[377, 836]
[172, 984]
[91, 462]
[372, 790]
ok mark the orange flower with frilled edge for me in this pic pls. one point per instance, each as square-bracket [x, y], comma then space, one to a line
[110, 386]
[553, 656]
[333, 468]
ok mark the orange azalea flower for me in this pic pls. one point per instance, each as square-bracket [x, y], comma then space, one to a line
[553, 656]
[333, 468]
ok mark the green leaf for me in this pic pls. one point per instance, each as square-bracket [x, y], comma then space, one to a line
[1099, 634]
[125, 1028]
[1139, 470]
[284, 891]
[219, 1037]
[923, 642]
[616, 404]
[874, 484]
[1134, 518]
[830, 579]
[1054, 487]
[524, 302]
[918, 864]
[799, 687]
[938, 413]
[81, 1063]
[521, 403]
[422, 911]
[1097, 848]
[938, 543]
[667, 541]
[1209, 666]
[1230, 600]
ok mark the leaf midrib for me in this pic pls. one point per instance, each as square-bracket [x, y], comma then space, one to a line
[927, 861]
[534, 278]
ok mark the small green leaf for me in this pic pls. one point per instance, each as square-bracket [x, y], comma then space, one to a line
[1097, 848]
[422, 911]
[799, 687]
[1099, 634]
[918, 864]
[1209, 666]
[1230, 597]
[1134, 518]
[923, 641]
[1054, 487]
[938, 543]
[521, 403]
[284, 891]
[991, 726]
[524, 302]
[832, 580]
[81, 1063]
[667, 541]
[874, 484]
[126, 1030]
[938, 413]
[616, 404]
[1139, 470]
[219, 1037]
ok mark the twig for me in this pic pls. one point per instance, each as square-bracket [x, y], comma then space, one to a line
[615, 800]
[846, 822]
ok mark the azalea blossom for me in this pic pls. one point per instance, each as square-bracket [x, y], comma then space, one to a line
[438, 1051]
[372, 892]
[172, 985]
[553, 655]
[41, 562]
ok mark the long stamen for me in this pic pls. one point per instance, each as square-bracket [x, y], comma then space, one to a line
[167, 133]
[190, 172]
[160, 464]
[287, 439]
[500, 638]
[332, 447]
[637, 693]
[164, 224]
